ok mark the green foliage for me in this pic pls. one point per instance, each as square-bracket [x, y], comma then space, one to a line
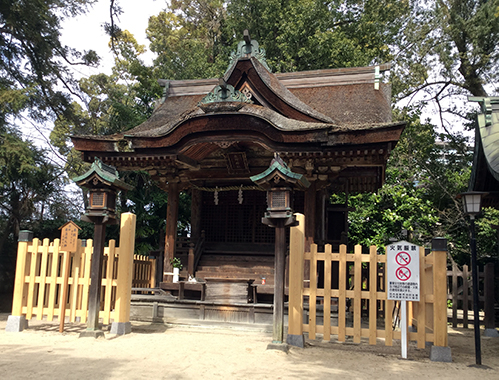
[31, 189]
[313, 34]
[176, 263]
[487, 234]
[424, 174]
[34, 75]
[148, 203]
[448, 48]
[387, 213]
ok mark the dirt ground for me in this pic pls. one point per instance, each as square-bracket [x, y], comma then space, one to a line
[155, 351]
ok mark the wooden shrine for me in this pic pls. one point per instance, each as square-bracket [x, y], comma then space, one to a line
[208, 137]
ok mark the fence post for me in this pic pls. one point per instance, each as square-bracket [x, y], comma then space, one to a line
[17, 321]
[490, 329]
[190, 260]
[296, 270]
[152, 265]
[121, 324]
[440, 351]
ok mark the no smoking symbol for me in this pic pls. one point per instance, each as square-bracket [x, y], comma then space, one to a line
[403, 273]
[403, 258]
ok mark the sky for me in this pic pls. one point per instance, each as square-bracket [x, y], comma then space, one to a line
[86, 32]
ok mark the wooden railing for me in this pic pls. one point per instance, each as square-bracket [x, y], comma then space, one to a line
[198, 251]
[459, 293]
[144, 272]
[40, 279]
[366, 295]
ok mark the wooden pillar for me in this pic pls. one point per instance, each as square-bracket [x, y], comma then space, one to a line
[171, 229]
[320, 217]
[196, 208]
[296, 260]
[279, 267]
[309, 211]
[440, 351]
[95, 282]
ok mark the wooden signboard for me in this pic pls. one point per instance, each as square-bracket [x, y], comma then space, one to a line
[69, 236]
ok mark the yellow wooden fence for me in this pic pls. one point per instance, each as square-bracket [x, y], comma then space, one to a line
[40, 278]
[370, 310]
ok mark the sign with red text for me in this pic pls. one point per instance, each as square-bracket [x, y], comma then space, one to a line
[402, 271]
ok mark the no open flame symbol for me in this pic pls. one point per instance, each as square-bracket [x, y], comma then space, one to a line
[403, 259]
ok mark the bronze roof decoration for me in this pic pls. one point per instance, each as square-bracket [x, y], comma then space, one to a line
[332, 125]
[248, 48]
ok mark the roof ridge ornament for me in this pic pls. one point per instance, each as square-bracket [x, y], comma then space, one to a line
[246, 49]
[224, 92]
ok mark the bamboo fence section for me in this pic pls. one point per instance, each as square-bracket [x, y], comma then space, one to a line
[41, 278]
[357, 306]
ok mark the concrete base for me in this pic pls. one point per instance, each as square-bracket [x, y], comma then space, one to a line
[92, 334]
[296, 340]
[440, 354]
[121, 328]
[492, 333]
[278, 346]
[16, 324]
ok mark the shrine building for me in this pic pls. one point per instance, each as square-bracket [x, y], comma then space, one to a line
[208, 137]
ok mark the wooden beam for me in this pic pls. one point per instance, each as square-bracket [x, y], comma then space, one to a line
[189, 162]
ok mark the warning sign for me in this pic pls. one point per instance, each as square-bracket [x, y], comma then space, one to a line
[402, 264]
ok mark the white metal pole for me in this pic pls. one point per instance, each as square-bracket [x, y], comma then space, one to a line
[403, 328]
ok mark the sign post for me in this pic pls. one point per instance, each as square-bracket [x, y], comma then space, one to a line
[402, 264]
[69, 240]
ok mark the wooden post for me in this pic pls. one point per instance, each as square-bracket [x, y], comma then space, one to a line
[421, 307]
[296, 261]
[171, 229]
[309, 211]
[489, 301]
[466, 291]
[440, 297]
[17, 321]
[279, 265]
[22, 251]
[440, 350]
[95, 283]
[190, 260]
[454, 294]
[64, 290]
[121, 324]
[196, 208]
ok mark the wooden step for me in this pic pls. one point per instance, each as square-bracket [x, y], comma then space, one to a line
[256, 277]
[231, 258]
